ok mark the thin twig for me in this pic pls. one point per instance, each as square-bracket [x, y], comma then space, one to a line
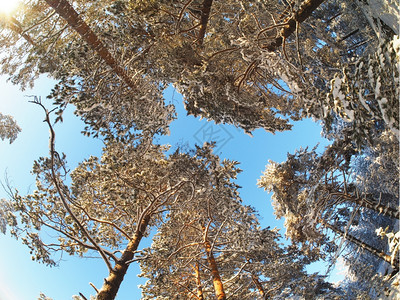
[80, 294]
[298, 45]
[93, 286]
[178, 24]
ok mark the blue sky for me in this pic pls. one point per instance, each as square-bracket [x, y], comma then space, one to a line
[22, 279]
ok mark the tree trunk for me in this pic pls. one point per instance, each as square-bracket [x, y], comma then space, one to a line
[16, 26]
[258, 285]
[205, 14]
[198, 282]
[113, 281]
[305, 10]
[359, 243]
[218, 287]
[68, 13]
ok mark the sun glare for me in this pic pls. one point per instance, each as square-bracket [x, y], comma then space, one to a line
[8, 6]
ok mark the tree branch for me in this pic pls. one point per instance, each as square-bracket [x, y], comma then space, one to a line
[183, 247]
[359, 243]
[305, 10]
[178, 24]
[59, 190]
[103, 221]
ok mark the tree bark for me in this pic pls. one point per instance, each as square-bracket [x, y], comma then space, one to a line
[198, 282]
[68, 13]
[359, 243]
[113, 281]
[205, 15]
[258, 285]
[218, 287]
[217, 282]
[16, 26]
[305, 10]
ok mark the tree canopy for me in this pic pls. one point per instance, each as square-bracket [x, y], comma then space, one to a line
[252, 64]
[9, 128]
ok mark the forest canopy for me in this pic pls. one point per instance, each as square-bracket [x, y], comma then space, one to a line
[252, 64]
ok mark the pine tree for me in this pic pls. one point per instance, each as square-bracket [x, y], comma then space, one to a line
[253, 64]
[213, 246]
[88, 74]
[316, 191]
[110, 205]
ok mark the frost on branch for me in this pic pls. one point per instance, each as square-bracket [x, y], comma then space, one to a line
[9, 129]
[393, 239]
[314, 192]
[367, 93]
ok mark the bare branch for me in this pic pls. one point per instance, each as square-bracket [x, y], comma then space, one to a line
[237, 274]
[184, 247]
[80, 294]
[93, 286]
[39, 22]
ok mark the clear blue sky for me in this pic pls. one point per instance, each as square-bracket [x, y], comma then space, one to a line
[22, 279]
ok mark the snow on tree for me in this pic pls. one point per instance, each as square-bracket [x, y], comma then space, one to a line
[9, 128]
[110, 205]
[365, 271]
[315, 191]
[213, 247]
[113, 202]
[249, 63]
[376, 170]
[254, 64]
[335, 201]
[89, 75]
[367, 92]
[383, 16]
